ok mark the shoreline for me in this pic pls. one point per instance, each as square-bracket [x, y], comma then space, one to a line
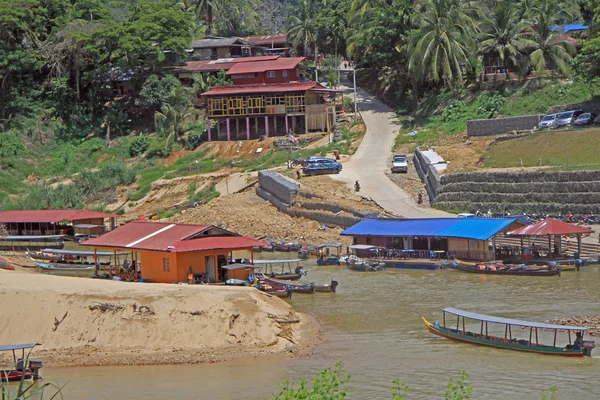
[105, 323]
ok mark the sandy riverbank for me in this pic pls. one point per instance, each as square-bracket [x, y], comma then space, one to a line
[118, 323]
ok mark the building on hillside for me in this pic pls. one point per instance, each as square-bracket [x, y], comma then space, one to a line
[56, 222]
[215, 47]
[463, 238]
[280, 70]
[185, 72]
[272, 44]
[251, 111]
[168, 253]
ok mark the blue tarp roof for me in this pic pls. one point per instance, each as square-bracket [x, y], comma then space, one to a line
[570, 27]
[465, 228]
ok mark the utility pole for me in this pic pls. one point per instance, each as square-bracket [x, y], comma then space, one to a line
[355, 107]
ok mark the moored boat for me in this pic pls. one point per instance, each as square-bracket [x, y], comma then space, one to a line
[327, 287]
[294, 287]
[505, 269]
[4, 264]
[24, 367]
[287, 274]
[578, 348]
[64, 268]
[323, 253]
[357, 264]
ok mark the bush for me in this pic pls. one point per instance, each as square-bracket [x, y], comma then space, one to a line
[158, 149]
[139, 145]
[11, 147]
[198, 135]
[348, 104]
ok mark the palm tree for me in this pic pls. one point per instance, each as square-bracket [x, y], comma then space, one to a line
[177, 108]
[359, 22]
[301, 26]
[551, 49]
[443, 44]
[505, 34]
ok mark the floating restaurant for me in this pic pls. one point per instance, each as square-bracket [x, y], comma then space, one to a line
[427, 238]
[169, 253]
[37, 229]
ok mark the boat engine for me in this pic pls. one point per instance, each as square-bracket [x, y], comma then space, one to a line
[588, 346]
[34, 367]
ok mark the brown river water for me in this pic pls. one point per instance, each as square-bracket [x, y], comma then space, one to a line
[374, 326]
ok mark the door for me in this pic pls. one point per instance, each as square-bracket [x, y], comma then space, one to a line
[209, 264]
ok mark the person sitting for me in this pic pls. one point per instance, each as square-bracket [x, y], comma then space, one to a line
[578, 344]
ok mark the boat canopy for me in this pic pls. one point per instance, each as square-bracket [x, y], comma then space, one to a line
[231, 267]
[363, 247]
[81, 253]
[266, 262]
[12, 347]
[322, 246]
[508, 321]
[48, 238]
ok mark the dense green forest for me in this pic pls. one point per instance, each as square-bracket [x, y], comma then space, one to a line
[59, 116]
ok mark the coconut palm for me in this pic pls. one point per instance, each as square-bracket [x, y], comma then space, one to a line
[359, 21]
[443, 43]
[505, 34]
[177, 108]
[551, 49]
[301, 26]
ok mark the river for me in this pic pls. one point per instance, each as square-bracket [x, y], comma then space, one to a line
[374, 326]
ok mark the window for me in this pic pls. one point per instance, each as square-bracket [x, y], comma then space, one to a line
[270, 74]
[285, 73]
[166, 265]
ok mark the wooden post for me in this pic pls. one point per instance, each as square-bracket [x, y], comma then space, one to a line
[537, 342]
[530, 335]
[256, 125]
[579, 244]
[228, 130]
[95, 261]
[247, 128]
[266, 126]
[237, 128]
[209, 131]
[509, 333]
[287, 125]
[115, 255]
[457, 322]
[275, 125]
[556, 330]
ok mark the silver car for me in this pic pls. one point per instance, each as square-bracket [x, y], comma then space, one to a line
[547, 121]
[566, 118]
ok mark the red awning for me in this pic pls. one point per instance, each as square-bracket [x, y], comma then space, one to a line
[549, 226]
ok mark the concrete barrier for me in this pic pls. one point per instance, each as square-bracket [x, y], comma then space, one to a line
[497, 126]
[427, 172]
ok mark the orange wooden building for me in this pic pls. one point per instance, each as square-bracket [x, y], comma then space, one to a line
[168, 253]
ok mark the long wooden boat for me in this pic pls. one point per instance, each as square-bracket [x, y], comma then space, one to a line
[23, 368]
[294, 287]
[275, 290]
[365, 265]
[501, 269]
[32, 242]
[64, 268]
[327, 287]
[268, 268]
[532, 345]
[328, 260]
[4, 264]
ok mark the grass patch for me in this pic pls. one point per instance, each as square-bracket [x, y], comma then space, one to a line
[572, 149]
[203, 196]
[145, 180]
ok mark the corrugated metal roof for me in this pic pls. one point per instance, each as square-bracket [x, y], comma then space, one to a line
[262, 66]
[217, 65]
[549, 226]
[570, 27]
[164, 236]
[262, 88]
[212, 42]
[465, 228]
[15, 216]
[267, 40]
[509, 321]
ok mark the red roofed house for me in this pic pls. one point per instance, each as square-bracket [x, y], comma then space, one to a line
[280, 70]
[168, 253]
[271, 109]
[55, 222]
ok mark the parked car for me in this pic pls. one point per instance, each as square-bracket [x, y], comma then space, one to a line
[585, 119]
[566, 118]
[547, 121]
[400, 163]
[466, 215]
[314, 166]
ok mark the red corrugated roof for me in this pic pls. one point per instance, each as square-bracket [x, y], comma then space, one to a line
[16, 216]
[262, 88]
[549, 226]
[262, 66]
[268, 39]
[164, 236]
[211, 65]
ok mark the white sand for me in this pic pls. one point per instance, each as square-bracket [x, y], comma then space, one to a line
[232, 321]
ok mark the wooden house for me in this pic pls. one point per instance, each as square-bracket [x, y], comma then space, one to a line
[56, 222]
[215, 47]
[276, 44]
[169, 253]
[251, 111]
[280, 70]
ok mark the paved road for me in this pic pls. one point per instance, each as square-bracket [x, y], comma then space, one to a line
[372, 159]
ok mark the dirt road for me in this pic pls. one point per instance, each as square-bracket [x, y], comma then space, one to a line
[372, 159]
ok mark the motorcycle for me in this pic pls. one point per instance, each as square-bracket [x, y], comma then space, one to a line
[356, 186]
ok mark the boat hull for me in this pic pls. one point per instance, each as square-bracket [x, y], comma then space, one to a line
[473, 268]
[366, 267]
[429, 267]
[13, 375]
[453, 334]
[67, 268]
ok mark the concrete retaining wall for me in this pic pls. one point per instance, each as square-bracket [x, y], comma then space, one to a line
[334, 208]
[283, 188]
[427, 173]
[488, 127]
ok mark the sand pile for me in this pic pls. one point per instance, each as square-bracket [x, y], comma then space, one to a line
[95, 322]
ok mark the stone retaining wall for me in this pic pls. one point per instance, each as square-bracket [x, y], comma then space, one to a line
[497, 126]
[282, 187]
[533, 192]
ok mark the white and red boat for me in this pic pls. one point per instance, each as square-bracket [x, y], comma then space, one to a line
[23, 368]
